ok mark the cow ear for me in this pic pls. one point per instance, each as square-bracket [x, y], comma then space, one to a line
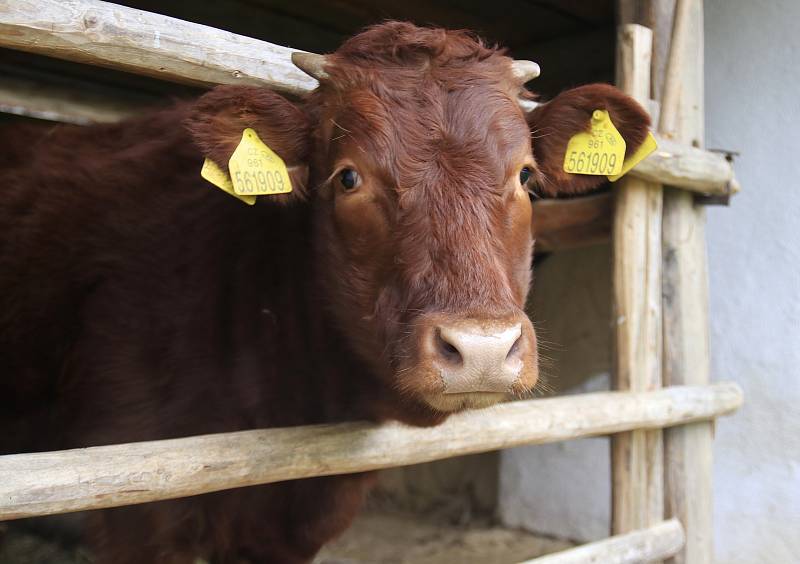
[218, 118]
[555, 122]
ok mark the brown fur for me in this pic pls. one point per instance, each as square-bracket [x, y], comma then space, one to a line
[139, 302]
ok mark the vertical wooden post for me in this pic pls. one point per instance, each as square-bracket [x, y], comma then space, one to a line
[686, 355]
[637, 456]
[657, 15]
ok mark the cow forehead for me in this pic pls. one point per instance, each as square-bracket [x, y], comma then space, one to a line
[431, 128]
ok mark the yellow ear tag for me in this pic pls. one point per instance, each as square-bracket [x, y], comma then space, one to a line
[218, 178]
[256, 169]
[599, 151]
[648, 146]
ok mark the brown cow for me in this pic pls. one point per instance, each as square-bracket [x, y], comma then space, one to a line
[139, 302]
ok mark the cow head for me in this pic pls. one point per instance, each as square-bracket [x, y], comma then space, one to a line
[419, 160]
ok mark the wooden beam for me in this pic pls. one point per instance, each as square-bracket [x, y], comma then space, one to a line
[643, 545]
[573, 223]
[688, 451]
[683, 166]
[53, 103]
[108, 476]
[105, 34]
[637, 465]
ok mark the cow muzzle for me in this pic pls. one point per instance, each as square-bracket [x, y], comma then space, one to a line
[479, 361]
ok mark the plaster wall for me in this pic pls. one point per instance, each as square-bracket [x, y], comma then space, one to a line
[753, 106]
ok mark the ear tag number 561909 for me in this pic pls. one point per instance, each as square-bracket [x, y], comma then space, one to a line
[256, 169]
[599, 151]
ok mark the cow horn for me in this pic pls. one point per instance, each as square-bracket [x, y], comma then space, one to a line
[525, 70]
[311, 64]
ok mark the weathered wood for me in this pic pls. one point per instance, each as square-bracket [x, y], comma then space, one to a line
[568, 224]
[637, 457]
[657, 15]
[105, 34]
[682, 166]
[643, 545]
[675, 74]
[108, 476]
[661, 14]
[688, 450]
[54, 103]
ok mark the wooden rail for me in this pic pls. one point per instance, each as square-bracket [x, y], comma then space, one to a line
[683, 166]
[643, 545]
[105, 34]
[108, 476]
[108, 35]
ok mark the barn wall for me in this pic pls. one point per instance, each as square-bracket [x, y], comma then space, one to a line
[752, 85]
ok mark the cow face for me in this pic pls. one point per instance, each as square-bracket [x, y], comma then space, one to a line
[419, 162]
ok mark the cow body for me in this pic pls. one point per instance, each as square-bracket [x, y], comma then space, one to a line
[147, 304]
[138, 302]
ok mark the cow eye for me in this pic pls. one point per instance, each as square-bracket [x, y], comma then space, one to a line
[349, 179]
[525, 175]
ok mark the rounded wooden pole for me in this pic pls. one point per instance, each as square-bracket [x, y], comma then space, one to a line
[110, 476]
[643, 545]
[688, 451]
[105, 34]
[637, 466]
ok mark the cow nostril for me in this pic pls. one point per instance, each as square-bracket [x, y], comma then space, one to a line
[515, 352]
[447, 350]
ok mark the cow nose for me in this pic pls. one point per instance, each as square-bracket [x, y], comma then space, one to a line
[479, 358]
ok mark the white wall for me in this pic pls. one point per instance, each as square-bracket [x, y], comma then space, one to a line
[752, 106]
